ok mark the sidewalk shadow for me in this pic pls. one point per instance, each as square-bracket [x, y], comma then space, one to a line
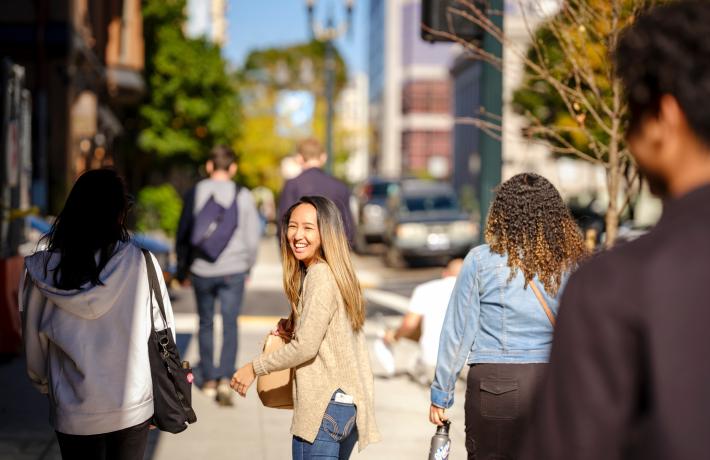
[24, 415]
[25, 432]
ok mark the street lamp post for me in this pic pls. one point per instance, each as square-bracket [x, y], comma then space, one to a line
[328, 34]
[492, 102]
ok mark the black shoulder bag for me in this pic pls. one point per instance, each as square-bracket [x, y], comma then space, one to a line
[172, 383]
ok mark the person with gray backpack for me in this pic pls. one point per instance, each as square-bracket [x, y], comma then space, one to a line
[216, 244]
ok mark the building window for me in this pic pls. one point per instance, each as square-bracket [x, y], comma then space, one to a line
[426, 97]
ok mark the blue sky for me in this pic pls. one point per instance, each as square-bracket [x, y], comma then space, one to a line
[257, 24]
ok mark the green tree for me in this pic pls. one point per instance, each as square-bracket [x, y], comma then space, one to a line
[569, 95]
[264, 75]
[158, 208]
[192, 101]
[572, 99]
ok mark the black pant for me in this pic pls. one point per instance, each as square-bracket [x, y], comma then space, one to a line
[498, 400]
[126, 444]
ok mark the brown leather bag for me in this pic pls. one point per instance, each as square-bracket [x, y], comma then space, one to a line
[275, 389]
[541, 299]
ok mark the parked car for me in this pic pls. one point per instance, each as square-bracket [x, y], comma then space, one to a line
[425, 220]
[371, 210]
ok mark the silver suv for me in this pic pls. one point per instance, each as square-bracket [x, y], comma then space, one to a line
[425, 220]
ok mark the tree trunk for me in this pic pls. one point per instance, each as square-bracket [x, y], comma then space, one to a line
[615, 140]
[614, 168]
[612, 213]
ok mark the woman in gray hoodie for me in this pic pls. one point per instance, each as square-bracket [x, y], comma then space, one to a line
[86, 322]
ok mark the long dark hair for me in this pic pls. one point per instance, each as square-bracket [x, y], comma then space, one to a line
[93, 220]
[531, 224]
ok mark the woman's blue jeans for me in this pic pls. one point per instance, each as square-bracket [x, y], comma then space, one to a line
[336, 437]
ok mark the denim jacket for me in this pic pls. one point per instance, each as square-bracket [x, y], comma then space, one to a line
[491, 318]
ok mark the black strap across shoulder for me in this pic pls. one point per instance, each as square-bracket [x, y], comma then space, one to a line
[154, 288]
[172, 378]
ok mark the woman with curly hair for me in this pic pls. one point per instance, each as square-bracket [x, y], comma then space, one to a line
[501, 315]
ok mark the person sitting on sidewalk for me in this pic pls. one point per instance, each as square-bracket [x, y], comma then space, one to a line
[422, 323]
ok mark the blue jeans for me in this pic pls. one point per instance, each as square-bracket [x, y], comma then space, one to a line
[336, 437]
[230, 291]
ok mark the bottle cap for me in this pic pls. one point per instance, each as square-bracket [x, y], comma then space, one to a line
[443, 429]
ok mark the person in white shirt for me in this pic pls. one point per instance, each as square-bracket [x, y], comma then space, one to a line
[421, 323]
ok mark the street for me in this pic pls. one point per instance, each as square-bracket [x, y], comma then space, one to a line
[386, 289]
[568, 135]
[248, 430]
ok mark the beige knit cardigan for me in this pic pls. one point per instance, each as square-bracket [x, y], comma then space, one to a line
[326, 354]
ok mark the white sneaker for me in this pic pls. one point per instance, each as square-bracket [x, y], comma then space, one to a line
[210, 389]
[384, 356]
[224, 394]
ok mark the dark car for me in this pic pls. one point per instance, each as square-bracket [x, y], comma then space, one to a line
[371, 210]
[425, 221]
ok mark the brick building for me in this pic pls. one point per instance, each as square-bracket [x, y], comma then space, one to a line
[410, 94]
[83, 61]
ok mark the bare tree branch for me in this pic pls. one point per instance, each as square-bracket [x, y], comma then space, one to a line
[533, 39]
[581, 67]
[479, 17]
[491, 115]
[583, 81]
[556, 134]
[630, 191]
[475, 50]
[568, 95]
[491, 129]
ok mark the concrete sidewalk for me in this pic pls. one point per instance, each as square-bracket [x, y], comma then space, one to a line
[247, 430]
[24, 428]
[250, 431]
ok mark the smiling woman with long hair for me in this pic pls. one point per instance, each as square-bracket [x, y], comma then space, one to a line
[333, 395]
[501, 315]
[86, 322]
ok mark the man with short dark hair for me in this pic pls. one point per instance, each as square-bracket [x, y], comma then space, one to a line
[314, 181]
[217, 242]
[629, 375]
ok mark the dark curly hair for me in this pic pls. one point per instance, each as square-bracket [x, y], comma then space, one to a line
[667, 51]
[530, 223]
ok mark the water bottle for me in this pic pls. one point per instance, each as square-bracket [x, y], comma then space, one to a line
[440, 443]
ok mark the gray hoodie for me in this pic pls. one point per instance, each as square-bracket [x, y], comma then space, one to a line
[87, 348]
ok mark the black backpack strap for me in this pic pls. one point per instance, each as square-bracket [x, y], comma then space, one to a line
[154, 288]
[183, 248]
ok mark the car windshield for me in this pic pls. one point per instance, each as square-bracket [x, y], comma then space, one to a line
[431, 203]
[380, 189]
